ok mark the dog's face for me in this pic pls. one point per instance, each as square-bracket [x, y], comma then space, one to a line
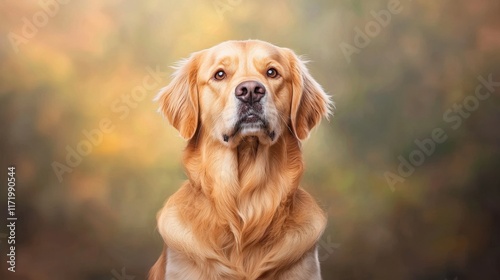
[241, 89]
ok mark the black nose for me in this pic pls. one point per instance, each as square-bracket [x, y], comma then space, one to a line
[250, 92]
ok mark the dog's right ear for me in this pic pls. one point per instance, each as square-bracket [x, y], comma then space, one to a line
[179, 100]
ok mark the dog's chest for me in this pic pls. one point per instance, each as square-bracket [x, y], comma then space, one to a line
[192, 252]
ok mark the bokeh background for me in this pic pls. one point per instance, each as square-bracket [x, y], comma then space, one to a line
[68, 66]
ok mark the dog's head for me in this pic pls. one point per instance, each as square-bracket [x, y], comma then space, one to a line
[241, 89]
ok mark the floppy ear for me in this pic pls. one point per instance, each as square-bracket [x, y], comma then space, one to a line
[179, 100]
[309, 102]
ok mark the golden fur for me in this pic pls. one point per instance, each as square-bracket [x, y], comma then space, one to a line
[241, 214]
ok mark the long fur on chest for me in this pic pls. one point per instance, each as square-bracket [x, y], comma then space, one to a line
[241, 214]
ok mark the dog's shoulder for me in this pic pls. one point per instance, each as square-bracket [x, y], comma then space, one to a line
[306, 212]
[171, 225]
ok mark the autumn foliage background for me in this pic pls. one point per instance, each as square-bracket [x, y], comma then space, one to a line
[92, 57]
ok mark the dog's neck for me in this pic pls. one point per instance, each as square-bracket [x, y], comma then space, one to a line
[246, 196]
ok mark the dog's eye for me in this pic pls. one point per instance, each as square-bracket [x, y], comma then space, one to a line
[220, 75]
[272, 73]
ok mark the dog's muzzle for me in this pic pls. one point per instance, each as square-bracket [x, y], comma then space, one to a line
[250, 109]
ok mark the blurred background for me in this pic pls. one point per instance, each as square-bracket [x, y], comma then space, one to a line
[407, 169]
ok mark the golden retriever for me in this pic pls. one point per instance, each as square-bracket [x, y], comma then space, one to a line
[244, 107]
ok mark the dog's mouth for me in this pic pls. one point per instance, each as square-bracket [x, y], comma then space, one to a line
[251, 124]
[251, 118]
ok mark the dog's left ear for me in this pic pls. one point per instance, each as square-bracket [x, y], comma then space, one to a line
[309, 101]
[179, 100]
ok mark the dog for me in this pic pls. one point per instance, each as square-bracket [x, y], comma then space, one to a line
[244, 107]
